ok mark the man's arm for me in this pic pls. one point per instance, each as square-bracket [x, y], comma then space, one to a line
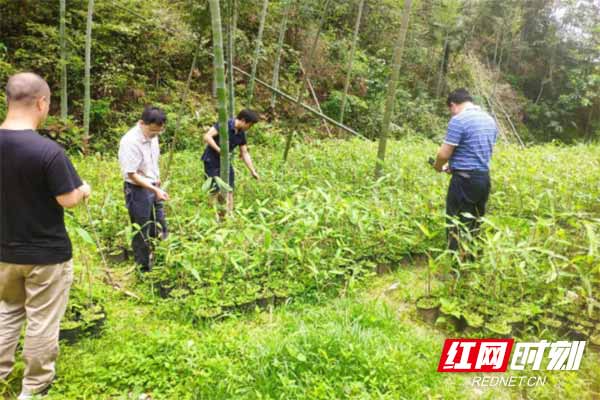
[245, 155]
[209, 139]
[129, 160]
[139, 180]
[64, 183]
[74, 197]
[443, 155]
[453, 139]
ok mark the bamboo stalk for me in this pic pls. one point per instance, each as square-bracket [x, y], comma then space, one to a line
[306, 107]
[64, 110]
[184, 98]
[282, 30]
[311, 56]
[86, 82]
[219, 67]
[314, 95]
[261, 28]
[351, 59]
[288, 145]
[231, 31]
[438, 88]
[313, 48]
[391, 91]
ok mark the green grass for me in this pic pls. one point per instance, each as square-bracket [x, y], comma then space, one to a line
[365, 346]
[314, 230]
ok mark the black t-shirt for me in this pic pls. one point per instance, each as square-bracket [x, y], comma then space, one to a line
[33, 170]
[211, 157]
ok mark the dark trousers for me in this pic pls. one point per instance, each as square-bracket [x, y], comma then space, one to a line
[467, 196]
[147, 212]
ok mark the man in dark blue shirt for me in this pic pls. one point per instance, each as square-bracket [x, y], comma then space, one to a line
[466, 154]
[212, 155]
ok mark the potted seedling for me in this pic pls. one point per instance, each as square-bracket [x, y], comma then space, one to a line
[118, 255]
[428, 306]
[474, 322]
[84, 314]
[81, 319]
[498, 328]
[453, 314]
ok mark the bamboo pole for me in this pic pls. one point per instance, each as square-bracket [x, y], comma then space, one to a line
[391, 90]
[219, 67]
[314, 95]
[288, 145]
[438, 88]
[311, 64]
[231, 32]
[304, 106]
[313, 48]
[261, 28]
[86, 82]
[64, 110]
[184, 98]
[282, 30]
[351, 60]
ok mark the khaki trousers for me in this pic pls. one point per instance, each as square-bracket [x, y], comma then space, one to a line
[38, 294]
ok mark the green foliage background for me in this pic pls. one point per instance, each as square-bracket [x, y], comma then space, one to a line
[545, 64]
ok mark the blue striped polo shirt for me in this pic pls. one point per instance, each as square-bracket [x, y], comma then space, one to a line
[474, 133]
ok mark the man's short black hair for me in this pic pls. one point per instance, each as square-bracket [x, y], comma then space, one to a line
[154, 115]
[459, 96]
[248, 116]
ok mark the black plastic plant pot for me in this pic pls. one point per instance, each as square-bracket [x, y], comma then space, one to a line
[73, 331]
[551, 324]
[474, 323]
[594, 342]
[428, 309]
[383, 269]
[578, 332]
[119, 255]
[459, 324]
[97, 325]
[71, 335]
[163, 290]
[518, 327]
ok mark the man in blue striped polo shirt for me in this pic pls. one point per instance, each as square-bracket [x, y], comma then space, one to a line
[466, 154]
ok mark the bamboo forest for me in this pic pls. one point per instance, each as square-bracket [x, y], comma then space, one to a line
[300, 199]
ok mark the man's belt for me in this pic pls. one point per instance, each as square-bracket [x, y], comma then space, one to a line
[468, 173]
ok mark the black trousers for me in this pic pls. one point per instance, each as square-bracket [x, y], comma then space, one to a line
[147, 212]
[467, 197]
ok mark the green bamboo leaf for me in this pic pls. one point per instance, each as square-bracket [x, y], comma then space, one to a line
[268, 239]
[223, 185]
[206, 185]
[83, 234]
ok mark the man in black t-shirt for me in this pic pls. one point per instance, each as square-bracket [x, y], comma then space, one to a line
[237, 128]
[37, 180]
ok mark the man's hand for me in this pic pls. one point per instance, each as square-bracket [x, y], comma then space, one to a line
[442, 168]
[86, 190]
[443, 155]
[255, 175]
[161, 194]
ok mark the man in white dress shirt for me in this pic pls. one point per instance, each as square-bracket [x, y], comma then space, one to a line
[139, 155]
